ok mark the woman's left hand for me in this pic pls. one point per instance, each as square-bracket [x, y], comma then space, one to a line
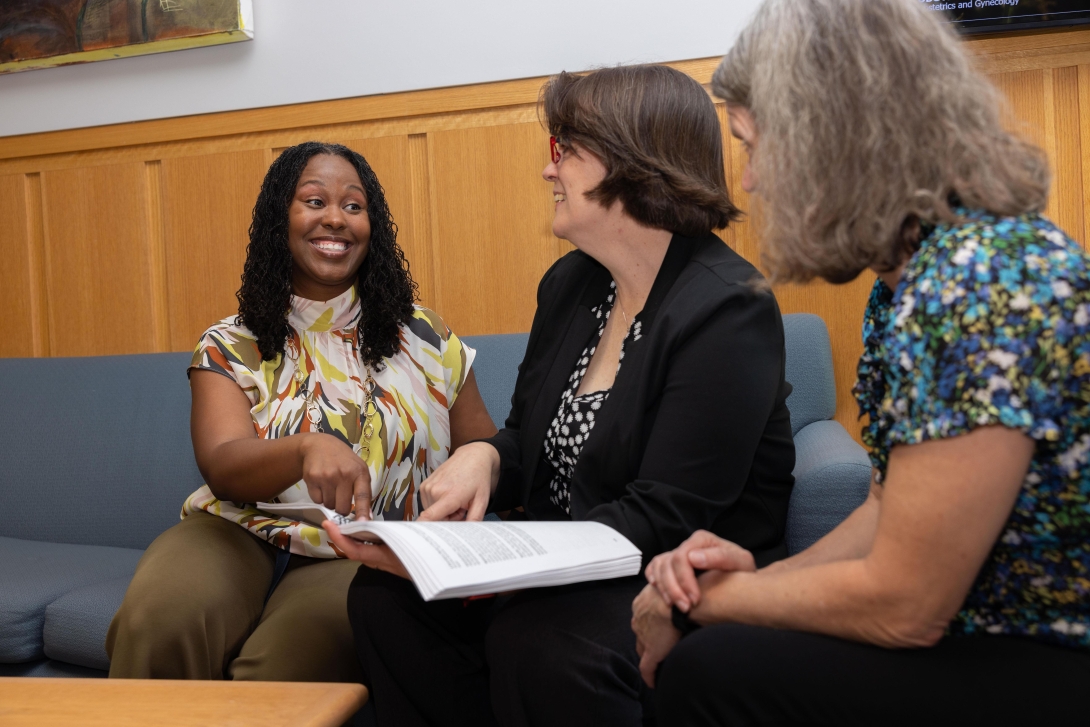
[673, 574]
[372, 555]
[655, 632]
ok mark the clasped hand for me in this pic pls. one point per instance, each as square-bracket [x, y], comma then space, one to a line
[672, 581]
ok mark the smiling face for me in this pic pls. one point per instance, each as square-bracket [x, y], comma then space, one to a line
[744, 128]
[329, 232]
[576, 173]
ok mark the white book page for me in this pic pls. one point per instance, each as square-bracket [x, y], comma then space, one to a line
[445, 556]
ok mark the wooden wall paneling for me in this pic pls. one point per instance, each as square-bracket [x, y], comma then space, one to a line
[1043, 106]
[1067, 202]
[1084, 146]
[1029, 109]
[403, 179]
[492, 225]
[39, 298]
[18, 336]
[209, 203]
[157, 263]
[97, 261]
[422, 265]
[426, 158]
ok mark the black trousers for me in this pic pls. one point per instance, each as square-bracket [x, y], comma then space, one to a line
[546, 656]
[745, 675]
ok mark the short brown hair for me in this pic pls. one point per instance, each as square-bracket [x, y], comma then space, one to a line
[656, 131]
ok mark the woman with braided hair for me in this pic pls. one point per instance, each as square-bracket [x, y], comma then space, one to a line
[330, 386]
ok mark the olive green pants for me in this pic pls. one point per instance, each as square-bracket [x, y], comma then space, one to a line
[195, 610]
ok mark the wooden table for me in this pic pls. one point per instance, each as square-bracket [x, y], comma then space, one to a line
[130, 702]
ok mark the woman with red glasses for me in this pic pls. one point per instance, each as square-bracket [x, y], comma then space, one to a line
[651, 398]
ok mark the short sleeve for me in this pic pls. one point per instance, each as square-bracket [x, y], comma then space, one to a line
[458, 360]
[229, 351]
[981, 336]
[453, 357]
[211, 356]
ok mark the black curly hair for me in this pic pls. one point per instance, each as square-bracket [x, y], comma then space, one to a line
[386, 289]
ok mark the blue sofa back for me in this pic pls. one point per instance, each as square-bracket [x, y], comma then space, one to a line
[496, 369]
[97, 450]
[809, 369]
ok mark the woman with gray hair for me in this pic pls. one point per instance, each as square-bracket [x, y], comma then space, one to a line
[959, 589]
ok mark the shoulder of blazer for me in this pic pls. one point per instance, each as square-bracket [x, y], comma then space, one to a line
[565, 275]
[714, 277]
[724, 263]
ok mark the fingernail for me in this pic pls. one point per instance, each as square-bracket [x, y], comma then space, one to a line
[698, 558]
[683, 604]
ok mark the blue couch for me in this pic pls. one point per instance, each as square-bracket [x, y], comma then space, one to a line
[95, 461]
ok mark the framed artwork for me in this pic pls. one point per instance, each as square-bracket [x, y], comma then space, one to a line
[46, 33]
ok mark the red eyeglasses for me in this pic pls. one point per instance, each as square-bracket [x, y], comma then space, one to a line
[556, 149]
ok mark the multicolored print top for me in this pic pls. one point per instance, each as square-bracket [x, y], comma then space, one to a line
[414, 392]
[990, 324]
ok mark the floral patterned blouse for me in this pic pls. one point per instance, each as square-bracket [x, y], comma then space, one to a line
[414, 391]
[990, 324]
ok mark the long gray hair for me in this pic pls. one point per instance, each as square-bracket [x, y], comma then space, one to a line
[870, 121]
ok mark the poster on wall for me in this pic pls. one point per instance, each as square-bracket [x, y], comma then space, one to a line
[46, 33]
[991, 16]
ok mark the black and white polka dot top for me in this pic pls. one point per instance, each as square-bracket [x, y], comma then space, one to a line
[574, 419]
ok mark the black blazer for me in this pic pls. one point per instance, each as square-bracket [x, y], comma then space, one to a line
[695, 432]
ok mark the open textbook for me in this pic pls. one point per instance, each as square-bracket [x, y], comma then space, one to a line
[461, 559]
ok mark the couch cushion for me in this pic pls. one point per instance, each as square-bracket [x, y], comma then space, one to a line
[95, 450]
[76, 623]
[34, 574]
[496, 368]
[832, 478]
[809, 370]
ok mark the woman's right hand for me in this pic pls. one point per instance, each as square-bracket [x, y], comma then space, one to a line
[459, 489]
[334, 475]
[673, 574]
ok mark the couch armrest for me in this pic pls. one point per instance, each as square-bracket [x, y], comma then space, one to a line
[832, 478]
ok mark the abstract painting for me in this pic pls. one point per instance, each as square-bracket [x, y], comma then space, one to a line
[46, 33]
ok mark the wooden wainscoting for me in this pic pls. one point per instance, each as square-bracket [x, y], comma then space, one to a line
[130, 238]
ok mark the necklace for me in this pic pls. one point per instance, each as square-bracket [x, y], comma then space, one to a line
[624, 315]
[367, 412]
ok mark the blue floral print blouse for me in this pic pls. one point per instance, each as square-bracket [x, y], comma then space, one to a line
[990, 324]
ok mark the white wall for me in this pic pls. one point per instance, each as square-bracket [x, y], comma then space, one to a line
[310, 50]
